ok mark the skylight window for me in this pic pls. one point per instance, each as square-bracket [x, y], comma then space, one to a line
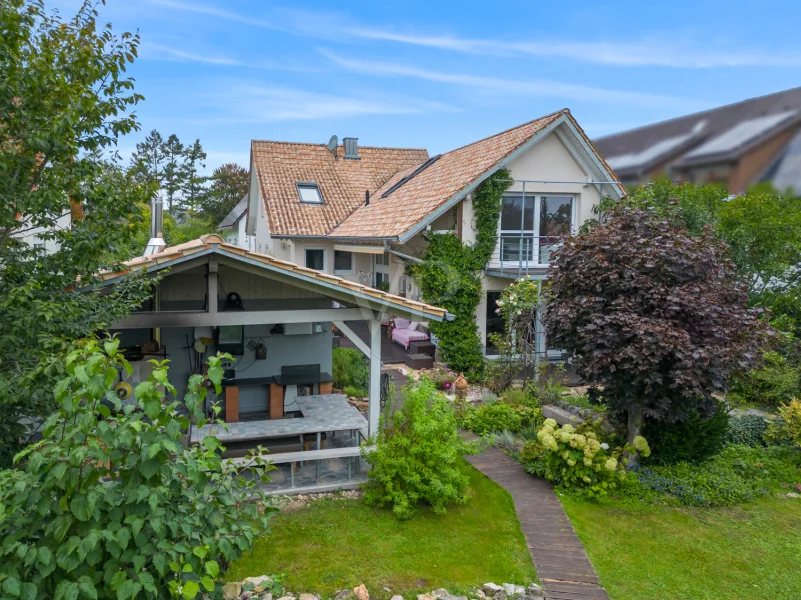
[309, 193]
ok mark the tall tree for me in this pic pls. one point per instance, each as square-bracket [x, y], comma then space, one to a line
[229, 183]
[653, 313]
[194, 189]
[64, 99]
[174, 166]
[147, 162]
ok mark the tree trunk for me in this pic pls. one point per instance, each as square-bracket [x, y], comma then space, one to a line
[636, 420]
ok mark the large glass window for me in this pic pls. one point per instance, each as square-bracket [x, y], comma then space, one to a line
[315, 259]
[343, 262]
[533, 226]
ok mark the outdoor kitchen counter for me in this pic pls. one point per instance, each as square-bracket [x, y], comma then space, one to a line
[321, 413]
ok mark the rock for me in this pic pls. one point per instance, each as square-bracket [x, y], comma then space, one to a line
[267, 596]
[386, 588]
[792, 495]
[481, 595]
[308, 597]
[361, 592]
[343, 595]
[439, 592]
[491, 588]
[449, 597]
[534, 589]
[287, 598]
[231, 591]
[500, 595]
[259, 583]
[510, 589]
[425, 597]
[396, 598]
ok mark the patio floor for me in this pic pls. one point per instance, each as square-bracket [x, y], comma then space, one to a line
[391, 353]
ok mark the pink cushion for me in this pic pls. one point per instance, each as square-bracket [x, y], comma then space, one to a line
[404, 336]
[401, 323]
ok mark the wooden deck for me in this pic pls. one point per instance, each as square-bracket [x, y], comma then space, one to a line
[559, 557]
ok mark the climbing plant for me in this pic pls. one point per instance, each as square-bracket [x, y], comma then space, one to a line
[449, 277]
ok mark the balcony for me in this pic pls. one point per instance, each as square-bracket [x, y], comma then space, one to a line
[518, 255]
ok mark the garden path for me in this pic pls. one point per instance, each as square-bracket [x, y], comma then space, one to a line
[562, 564]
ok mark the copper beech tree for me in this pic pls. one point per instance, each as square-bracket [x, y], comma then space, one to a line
[653, 314]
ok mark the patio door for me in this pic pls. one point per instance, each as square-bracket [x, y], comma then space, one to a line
[532, 227]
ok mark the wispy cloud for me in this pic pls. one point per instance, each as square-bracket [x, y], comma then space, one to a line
[159, 52]
[526, 86]
[668, 53]
[658, 50]
[262, 104]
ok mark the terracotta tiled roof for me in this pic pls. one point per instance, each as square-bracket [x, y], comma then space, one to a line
[207, 242]
[280, 165]
[432, 187]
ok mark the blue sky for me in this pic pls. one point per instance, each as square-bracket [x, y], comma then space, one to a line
[441, 74]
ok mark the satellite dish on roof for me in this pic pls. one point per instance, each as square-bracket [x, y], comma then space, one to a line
[332, 145]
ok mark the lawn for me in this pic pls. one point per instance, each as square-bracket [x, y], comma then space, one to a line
[648, 552]
[335, 544]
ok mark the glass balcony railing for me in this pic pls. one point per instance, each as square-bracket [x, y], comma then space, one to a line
[522, 254]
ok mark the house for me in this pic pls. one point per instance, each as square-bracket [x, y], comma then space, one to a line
[275, 318]
[737, 145]
[362, 213]
[232, 227]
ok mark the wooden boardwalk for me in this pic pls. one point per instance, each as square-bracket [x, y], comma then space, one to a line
[559, 557]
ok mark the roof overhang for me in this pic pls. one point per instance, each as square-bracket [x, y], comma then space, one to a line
[327, 285]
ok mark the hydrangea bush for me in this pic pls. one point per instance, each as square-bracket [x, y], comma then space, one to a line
[578, 458]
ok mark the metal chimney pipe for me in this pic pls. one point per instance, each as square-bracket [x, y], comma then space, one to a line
[156, 242]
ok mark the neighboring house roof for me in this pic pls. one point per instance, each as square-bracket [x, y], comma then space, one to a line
[396, 209]
[785, 172]
[280, 166]
[233, 217]
[734, 128]
[214, 243]
[742, 136]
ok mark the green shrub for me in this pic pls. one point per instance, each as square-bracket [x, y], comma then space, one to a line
[788, 425]
[774, 383]
[349, 369]
[111, 505]
[517, 397]
[693, 440]
[418, 455]
[492, 418]
[576, 458]
[747, 430]
[354, 392]
[738, 474]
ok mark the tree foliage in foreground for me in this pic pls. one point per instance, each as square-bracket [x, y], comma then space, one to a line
[111, 505]
[65, 99]
[653, 313]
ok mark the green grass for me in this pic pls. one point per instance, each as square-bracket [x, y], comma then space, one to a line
[649, 552]
[335, 544]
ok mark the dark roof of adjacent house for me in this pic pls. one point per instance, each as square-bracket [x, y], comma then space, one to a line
[717, 134]
[233, 217]
[342, 182]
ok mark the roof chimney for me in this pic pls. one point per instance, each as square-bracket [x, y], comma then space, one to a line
[351, 148]
[156, 242]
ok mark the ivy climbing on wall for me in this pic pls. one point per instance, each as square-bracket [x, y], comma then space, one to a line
[450, 277]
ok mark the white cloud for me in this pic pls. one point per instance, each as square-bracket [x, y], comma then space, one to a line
[525, 85]
[216, 12]
[260, 104]
[177, 54]
[659, 53]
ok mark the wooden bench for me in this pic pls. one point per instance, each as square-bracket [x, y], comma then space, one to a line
[315, 455]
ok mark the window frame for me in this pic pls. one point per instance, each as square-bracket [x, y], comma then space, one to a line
[349, 271]
[309, 184]
[536, 232]
[306, 258]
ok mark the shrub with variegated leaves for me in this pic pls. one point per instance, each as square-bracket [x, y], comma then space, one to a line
[575, 457]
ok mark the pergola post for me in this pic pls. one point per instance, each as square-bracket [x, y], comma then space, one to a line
[374, 405]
